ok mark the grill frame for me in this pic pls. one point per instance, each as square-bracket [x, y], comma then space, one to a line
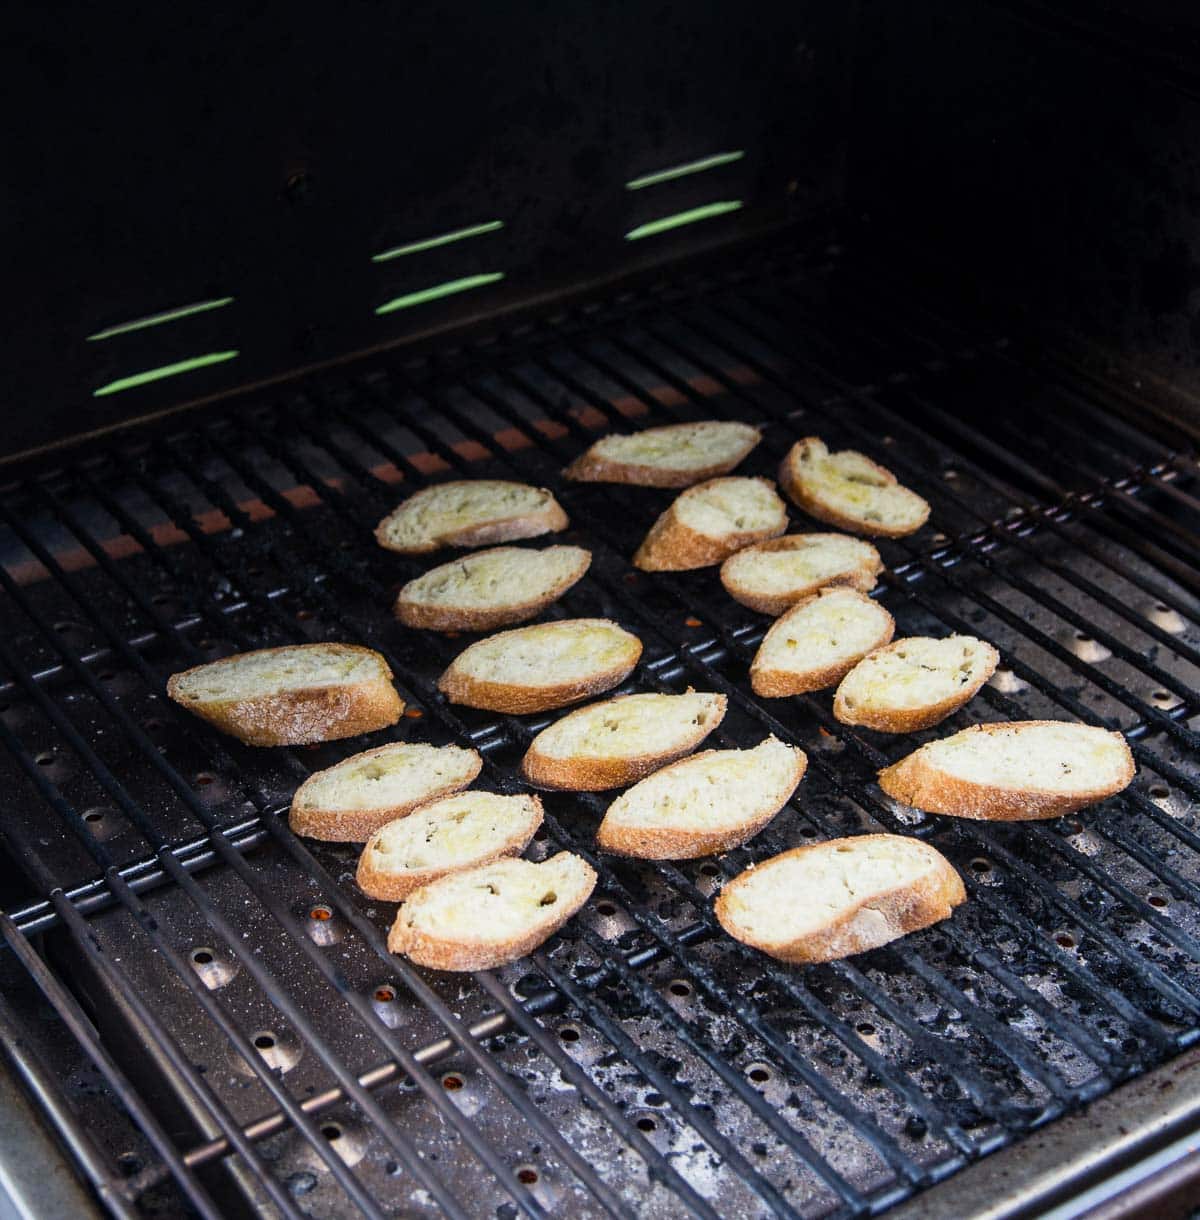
[1118, 502]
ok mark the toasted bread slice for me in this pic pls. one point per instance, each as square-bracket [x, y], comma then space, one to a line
[914, 683]
[619, 741]
[677, 455]
[348, 802]
[709, 803]
[817, 642]
[533, 669]
[834, 899]
[447, 836]
[292, 696]
[850, 491]
[771, 576]
[488, 916]
[710, 521]
[1014, 772]
[491, 589]
[469, 512]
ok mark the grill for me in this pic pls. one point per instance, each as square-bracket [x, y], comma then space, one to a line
[204, 1004]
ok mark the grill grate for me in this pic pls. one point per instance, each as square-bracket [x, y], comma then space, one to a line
[643, 1062]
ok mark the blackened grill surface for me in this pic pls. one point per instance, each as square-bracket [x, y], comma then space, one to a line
[230, 975]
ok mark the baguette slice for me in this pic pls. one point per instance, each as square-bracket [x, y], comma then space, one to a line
[774, 575]
[491, 915]
[709, 803]
[619, 741]
[469, 512]
[1013, 772]
[817, 642]
[914, 683]
[490, 589]
[677, 455]
[348, 802]
[834, 899]
[850, 491]
[533, 669]
[710, 521]
[292, 696]
[447, 836]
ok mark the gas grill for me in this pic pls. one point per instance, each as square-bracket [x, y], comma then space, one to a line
[198, 1009]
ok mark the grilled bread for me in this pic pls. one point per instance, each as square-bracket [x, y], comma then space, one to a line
[491, 915]
[834, 899]
[675, 456]
[533, 669]
[469, 512]
[774, 575]
[1013, 772]
[709, 803]
[710, 521]
[348, 802]
[850, 491]
[817, 642]
[491, 589]
[619, 741]
[447, 836]
[292, 696]
[914, 683]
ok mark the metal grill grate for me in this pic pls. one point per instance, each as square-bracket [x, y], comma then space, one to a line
[235, 991]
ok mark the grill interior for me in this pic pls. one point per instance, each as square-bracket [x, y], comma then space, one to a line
[254, 1044]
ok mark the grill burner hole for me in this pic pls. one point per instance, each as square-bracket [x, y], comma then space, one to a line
[44, 760]
[1161, 696]
[320, 914]
[709, 870]
[264, 1042]
[680, 987]
[202, 957]
[759, 1073]
[527, 1176]
[94, 815]
[1160, 792]
[1157, 900]
[865, 1028]
[605, 908]
[331, 1131]
[1064, 939]
[981, 866]
[646, 1124]
[452, 1082]
[569, 1033]
[385, 995]
[204, 779]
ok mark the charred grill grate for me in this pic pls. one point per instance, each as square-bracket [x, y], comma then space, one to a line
[248, 1017]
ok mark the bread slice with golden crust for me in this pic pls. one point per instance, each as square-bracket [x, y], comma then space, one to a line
[817, 642]
[830, 900]
[774, 575]
[293, 695]
[488, 916]
[348, 802]
[849, 490]
[709, 803]
[914, 683]
[1012, 772]
[490, 589]
[676, 455]
[446, 836]
[548, 665]
[617, 742]
[710, 521]
[469, 512]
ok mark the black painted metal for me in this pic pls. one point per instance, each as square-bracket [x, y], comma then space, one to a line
[749, 346]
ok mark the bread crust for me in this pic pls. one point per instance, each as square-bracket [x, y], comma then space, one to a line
[672, 843]
[916, 782]
[863, 925]
[390, 886]
[589, 468]
[780, 683]
[546, 520]
[439, 954]
[673, 546]
[863, 578]
[517, 699]
[304, 715]
[910, 720]
[792, 482]
[428, 617]
[593, 774]
[358, 825]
